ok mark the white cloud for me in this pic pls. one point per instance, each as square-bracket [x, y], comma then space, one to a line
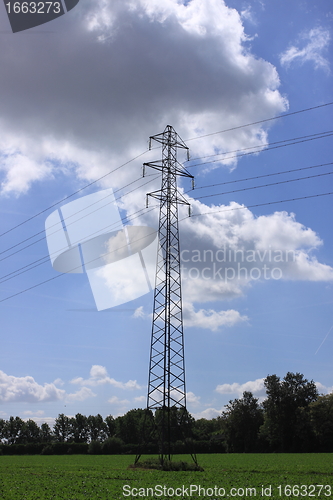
[248, 15]
[59, 381]
[38, 413]
[81, 395]
[139, 313]
[27, 390]
[21, 171]
[116, 400]
[228, 248]
[324, 389]
[66, 112]
[311, 47]
[257, 388]
[192, 399]
[210, 319]
[98, 372]
[122, 405]
[208, 414]
[140, 399]
[47, 420]
[99, 376]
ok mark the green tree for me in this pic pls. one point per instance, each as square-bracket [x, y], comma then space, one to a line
[13, 430]
[129, 427]
[79, 429]
[2, 429]
[110, 426]
[241, 422]
[30, 432]
[45, 433]
[204, 429]
[62, 428]
[97, 428]
[321, 417]
[286, 425]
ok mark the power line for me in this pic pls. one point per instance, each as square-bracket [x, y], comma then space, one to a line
[72, 215]
[128, 218]
[264, 185]
[40, 232]
[38, 262]
[77, 267]
[193, 215]
[261, 150]
[260, 176]
[258, 146]
[71, 195]
[261, 204]
[141, 154]
[197, 198]
[309, 137]
[261, 121]
[73, 222]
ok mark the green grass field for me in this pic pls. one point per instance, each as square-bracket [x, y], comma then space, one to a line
[76, 477]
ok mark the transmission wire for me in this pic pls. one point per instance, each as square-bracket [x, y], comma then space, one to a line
[194, 215]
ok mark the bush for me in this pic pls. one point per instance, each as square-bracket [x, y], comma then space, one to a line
[168, 465]
[112, 446]
[47, 450]
[95, 448]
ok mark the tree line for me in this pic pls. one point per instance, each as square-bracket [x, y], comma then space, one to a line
[292, 418]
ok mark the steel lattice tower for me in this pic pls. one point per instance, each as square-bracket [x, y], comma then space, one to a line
[166, 386]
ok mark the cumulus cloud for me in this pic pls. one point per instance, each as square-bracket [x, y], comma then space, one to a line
[81, 395]
[99, 376]
[59, 381]
[208, 413]
[192, 399]
[84, 111]
[323, 389]
[210, 319]
[27, 390]
[248, 15]
[257, 388]
[20, 172]
[140, 399]
[44, 420]
[87, 109]
[122, 405]
[117, 401]
[38, 413]
[139, 313]
[228, 248]
[311, 47]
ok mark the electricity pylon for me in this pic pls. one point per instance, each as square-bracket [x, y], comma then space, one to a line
[166, 386]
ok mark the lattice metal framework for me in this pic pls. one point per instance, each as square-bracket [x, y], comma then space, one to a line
[166, 386]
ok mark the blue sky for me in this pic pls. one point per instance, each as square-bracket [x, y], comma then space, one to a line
[80, 97]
